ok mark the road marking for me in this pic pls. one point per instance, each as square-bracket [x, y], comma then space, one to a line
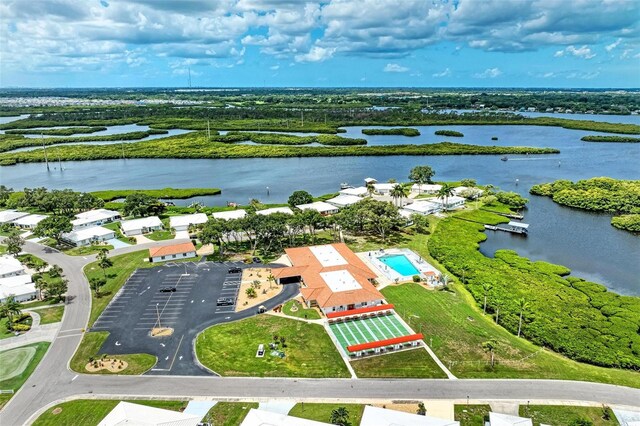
[75, 377]
[70, 335]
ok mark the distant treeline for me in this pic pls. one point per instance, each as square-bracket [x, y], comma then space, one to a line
[626, 139]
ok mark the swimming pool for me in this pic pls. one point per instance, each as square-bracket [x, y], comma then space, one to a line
[399, 263]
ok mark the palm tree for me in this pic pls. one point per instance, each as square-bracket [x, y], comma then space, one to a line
[397, 193]
[12, 307]
[487, 288]
[523, 305]
[103, 261]
[490, 346]
[271, 279]
[340, 416]
[96, 283]
[370, 189]
[464, 268]
[39, 284]
[445, 192]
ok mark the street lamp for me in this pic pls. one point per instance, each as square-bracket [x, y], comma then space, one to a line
[158, 314]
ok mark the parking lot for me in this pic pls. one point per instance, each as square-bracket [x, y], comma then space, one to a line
[181, 296]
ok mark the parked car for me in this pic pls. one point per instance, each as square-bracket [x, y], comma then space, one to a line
[167, 289]
[225, 301]
[256, 260]
[235, 270]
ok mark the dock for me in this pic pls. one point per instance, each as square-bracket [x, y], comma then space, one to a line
[513, 227]
[509, 215]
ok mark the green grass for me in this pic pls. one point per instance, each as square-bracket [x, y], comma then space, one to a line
[90, 347]
[3, 249]
[115, 226]
[16, 382]
[89, 412]
[84, 250]
[15, 361]
[229, 413]
[311, 314]
[4, 329]
[471, 415]
[166, 193]
[50, 315]
[230, 349]
[38, 303]
[415, 363]
[322, 412]
[160, 235]
[564, 415]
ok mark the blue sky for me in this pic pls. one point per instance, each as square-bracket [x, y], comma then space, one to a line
[428, 43]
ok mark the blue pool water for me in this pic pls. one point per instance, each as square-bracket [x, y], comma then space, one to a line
[400, 264]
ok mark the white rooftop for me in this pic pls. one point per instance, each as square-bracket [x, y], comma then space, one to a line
[359, 191]
[30, 220]
[519, 225]
[451, 200]
[267, 418]
[375, 416]
[145, 222]
[10, 265]
[94, 216]
[319, 206]
[188, 219]
[341, 280]
[499, 419]
[327, 255]
[370, 180]
[231, 214]
[285, 210]
[344, 200]
[385, 186]
[422, 206]
[16, 285]
[87, 233]
[426, 187]
[126, 413]
[11, 215]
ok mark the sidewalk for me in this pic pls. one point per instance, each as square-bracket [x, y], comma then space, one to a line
[38, 333]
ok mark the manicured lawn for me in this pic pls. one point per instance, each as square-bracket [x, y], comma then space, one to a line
[16, 382]
[4, 330]
[301, 312]
[229, 413]
[50, 315]
[458, 329]
[3, 249]
[322, 412]
[89, 347]
[30, 259]
[38, 303]
[471, 415]
[82, 251]
[230, 349]
[83, 412]
[564, 415]
[160, 235]
[115, 226]
[415, 363]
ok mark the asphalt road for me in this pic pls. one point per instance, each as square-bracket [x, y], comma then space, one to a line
[53, 381]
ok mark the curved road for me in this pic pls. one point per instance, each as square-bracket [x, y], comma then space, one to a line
[53, 381]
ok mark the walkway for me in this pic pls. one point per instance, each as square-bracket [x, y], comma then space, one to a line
[38, 333]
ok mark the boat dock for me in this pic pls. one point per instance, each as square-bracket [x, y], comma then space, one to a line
[509, 215]
[513, 227]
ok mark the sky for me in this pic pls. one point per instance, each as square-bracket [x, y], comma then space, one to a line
[334, 43]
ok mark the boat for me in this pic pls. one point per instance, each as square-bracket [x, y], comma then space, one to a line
[505, 158]
[345, 185]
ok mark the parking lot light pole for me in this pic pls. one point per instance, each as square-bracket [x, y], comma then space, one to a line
[158, 314]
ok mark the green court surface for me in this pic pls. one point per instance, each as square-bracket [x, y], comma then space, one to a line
[366, 330]
[14, 361]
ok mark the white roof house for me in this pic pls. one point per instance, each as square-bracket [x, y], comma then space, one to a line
[266, 212]
[375, 416]
[182, 223]
[94, 217]
[30, 221]
[231, 214]
[425, 188]
[86, 236]
[126, 413]
[257, 417]
[7, 216]
[360, 191]
[10, 266]
[474, 192]
[384, 188]
[423, 207]
[19, 286]
[141, 226]
[344, 200]
[319, 206]
[452, 202]
[499, 419]
[370, 180]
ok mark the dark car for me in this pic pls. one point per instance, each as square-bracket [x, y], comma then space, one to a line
[167, 289]
[235, 270]
[257, 260]
[225, 301]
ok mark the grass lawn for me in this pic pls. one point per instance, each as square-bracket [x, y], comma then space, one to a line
[416, 363]
[471, 415]
[4, 330]
[30, 260]
[322, 412]
[230, 349]
[564, 415]
[115, 226]
[301, 311]
[84, 250]
[89, 412]
[50, 315]
[38, 303]
[16, 382]
[3, 249]
[89, 347]
[229, 413]
[160, 235]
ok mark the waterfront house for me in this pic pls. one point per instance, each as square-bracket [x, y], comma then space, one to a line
[266, 212]
[29, 221]
[141, 226]
[360, 191]
[342, 201]
[423, 207]
[87, 236]
[452, 203]
[384, 188]
[182, 223]
[95, 217]
[425, 188]
[228, 215]
[325, 209]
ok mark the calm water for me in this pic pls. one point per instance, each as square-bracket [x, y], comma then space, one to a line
[584, 242]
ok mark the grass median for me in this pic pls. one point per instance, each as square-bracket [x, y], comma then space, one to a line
[322, 412]
[229, 413]
[414, 363]
[50, 315]
[566, 415]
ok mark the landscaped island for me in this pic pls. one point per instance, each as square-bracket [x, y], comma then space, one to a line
[402, 131]
[602, 194]
[451, 133]
[627, 139]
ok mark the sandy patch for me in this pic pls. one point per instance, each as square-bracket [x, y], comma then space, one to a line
[407, 408]
[161, 331]
[56, 411]
[113, 365]
[264, 289]
[205, 250]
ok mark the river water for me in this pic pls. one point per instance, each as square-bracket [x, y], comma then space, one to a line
[582, 241]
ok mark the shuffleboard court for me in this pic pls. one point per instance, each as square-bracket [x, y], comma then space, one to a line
[14, 361]
[365, 330]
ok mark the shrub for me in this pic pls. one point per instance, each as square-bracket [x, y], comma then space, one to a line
[416, 278]
[20, 327]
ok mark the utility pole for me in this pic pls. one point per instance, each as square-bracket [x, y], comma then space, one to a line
[46, 160]
[208, 130]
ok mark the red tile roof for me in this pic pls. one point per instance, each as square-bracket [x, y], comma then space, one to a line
[359, 311]
[386, 342]
[172, 249]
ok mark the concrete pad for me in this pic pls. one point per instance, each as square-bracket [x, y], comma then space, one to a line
[182, 235]
[199, 408]
[277, 406]
[440, 409]
[627, 417]
[511, 408]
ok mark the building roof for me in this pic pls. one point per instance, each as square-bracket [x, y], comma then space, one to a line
[172, 249]
[518, 225]
[385, 342]
[10, 265]
[359, 191]
[145, 222]
[30, 220]
[319, 206]
[16, 285]
[126, 413]
[265, 212]
[360, 311]
[451, 200]
[257, 417]
[231, 214]
[187, 220]
[344, 200]
[333, 275]
[499, 419]
[385, 186]
[422, 206]
[370, 180]
[375, 416]
[7, 216]
[94, 216]
[87, 233]
[425, 187]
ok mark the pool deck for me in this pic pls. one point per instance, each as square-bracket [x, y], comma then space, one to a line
[387, 275]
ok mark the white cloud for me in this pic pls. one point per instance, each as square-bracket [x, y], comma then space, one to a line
[316, 54]
[274, 67]
[488, 73]
[580, 52]
[395, 68]
[445, 73]
[613, 45]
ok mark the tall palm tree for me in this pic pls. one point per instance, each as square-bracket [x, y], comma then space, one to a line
[523, 305]
[13, 307]
[487, 288]
[397, 193]
[370, 189]
[490, 346]
[445, 192]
